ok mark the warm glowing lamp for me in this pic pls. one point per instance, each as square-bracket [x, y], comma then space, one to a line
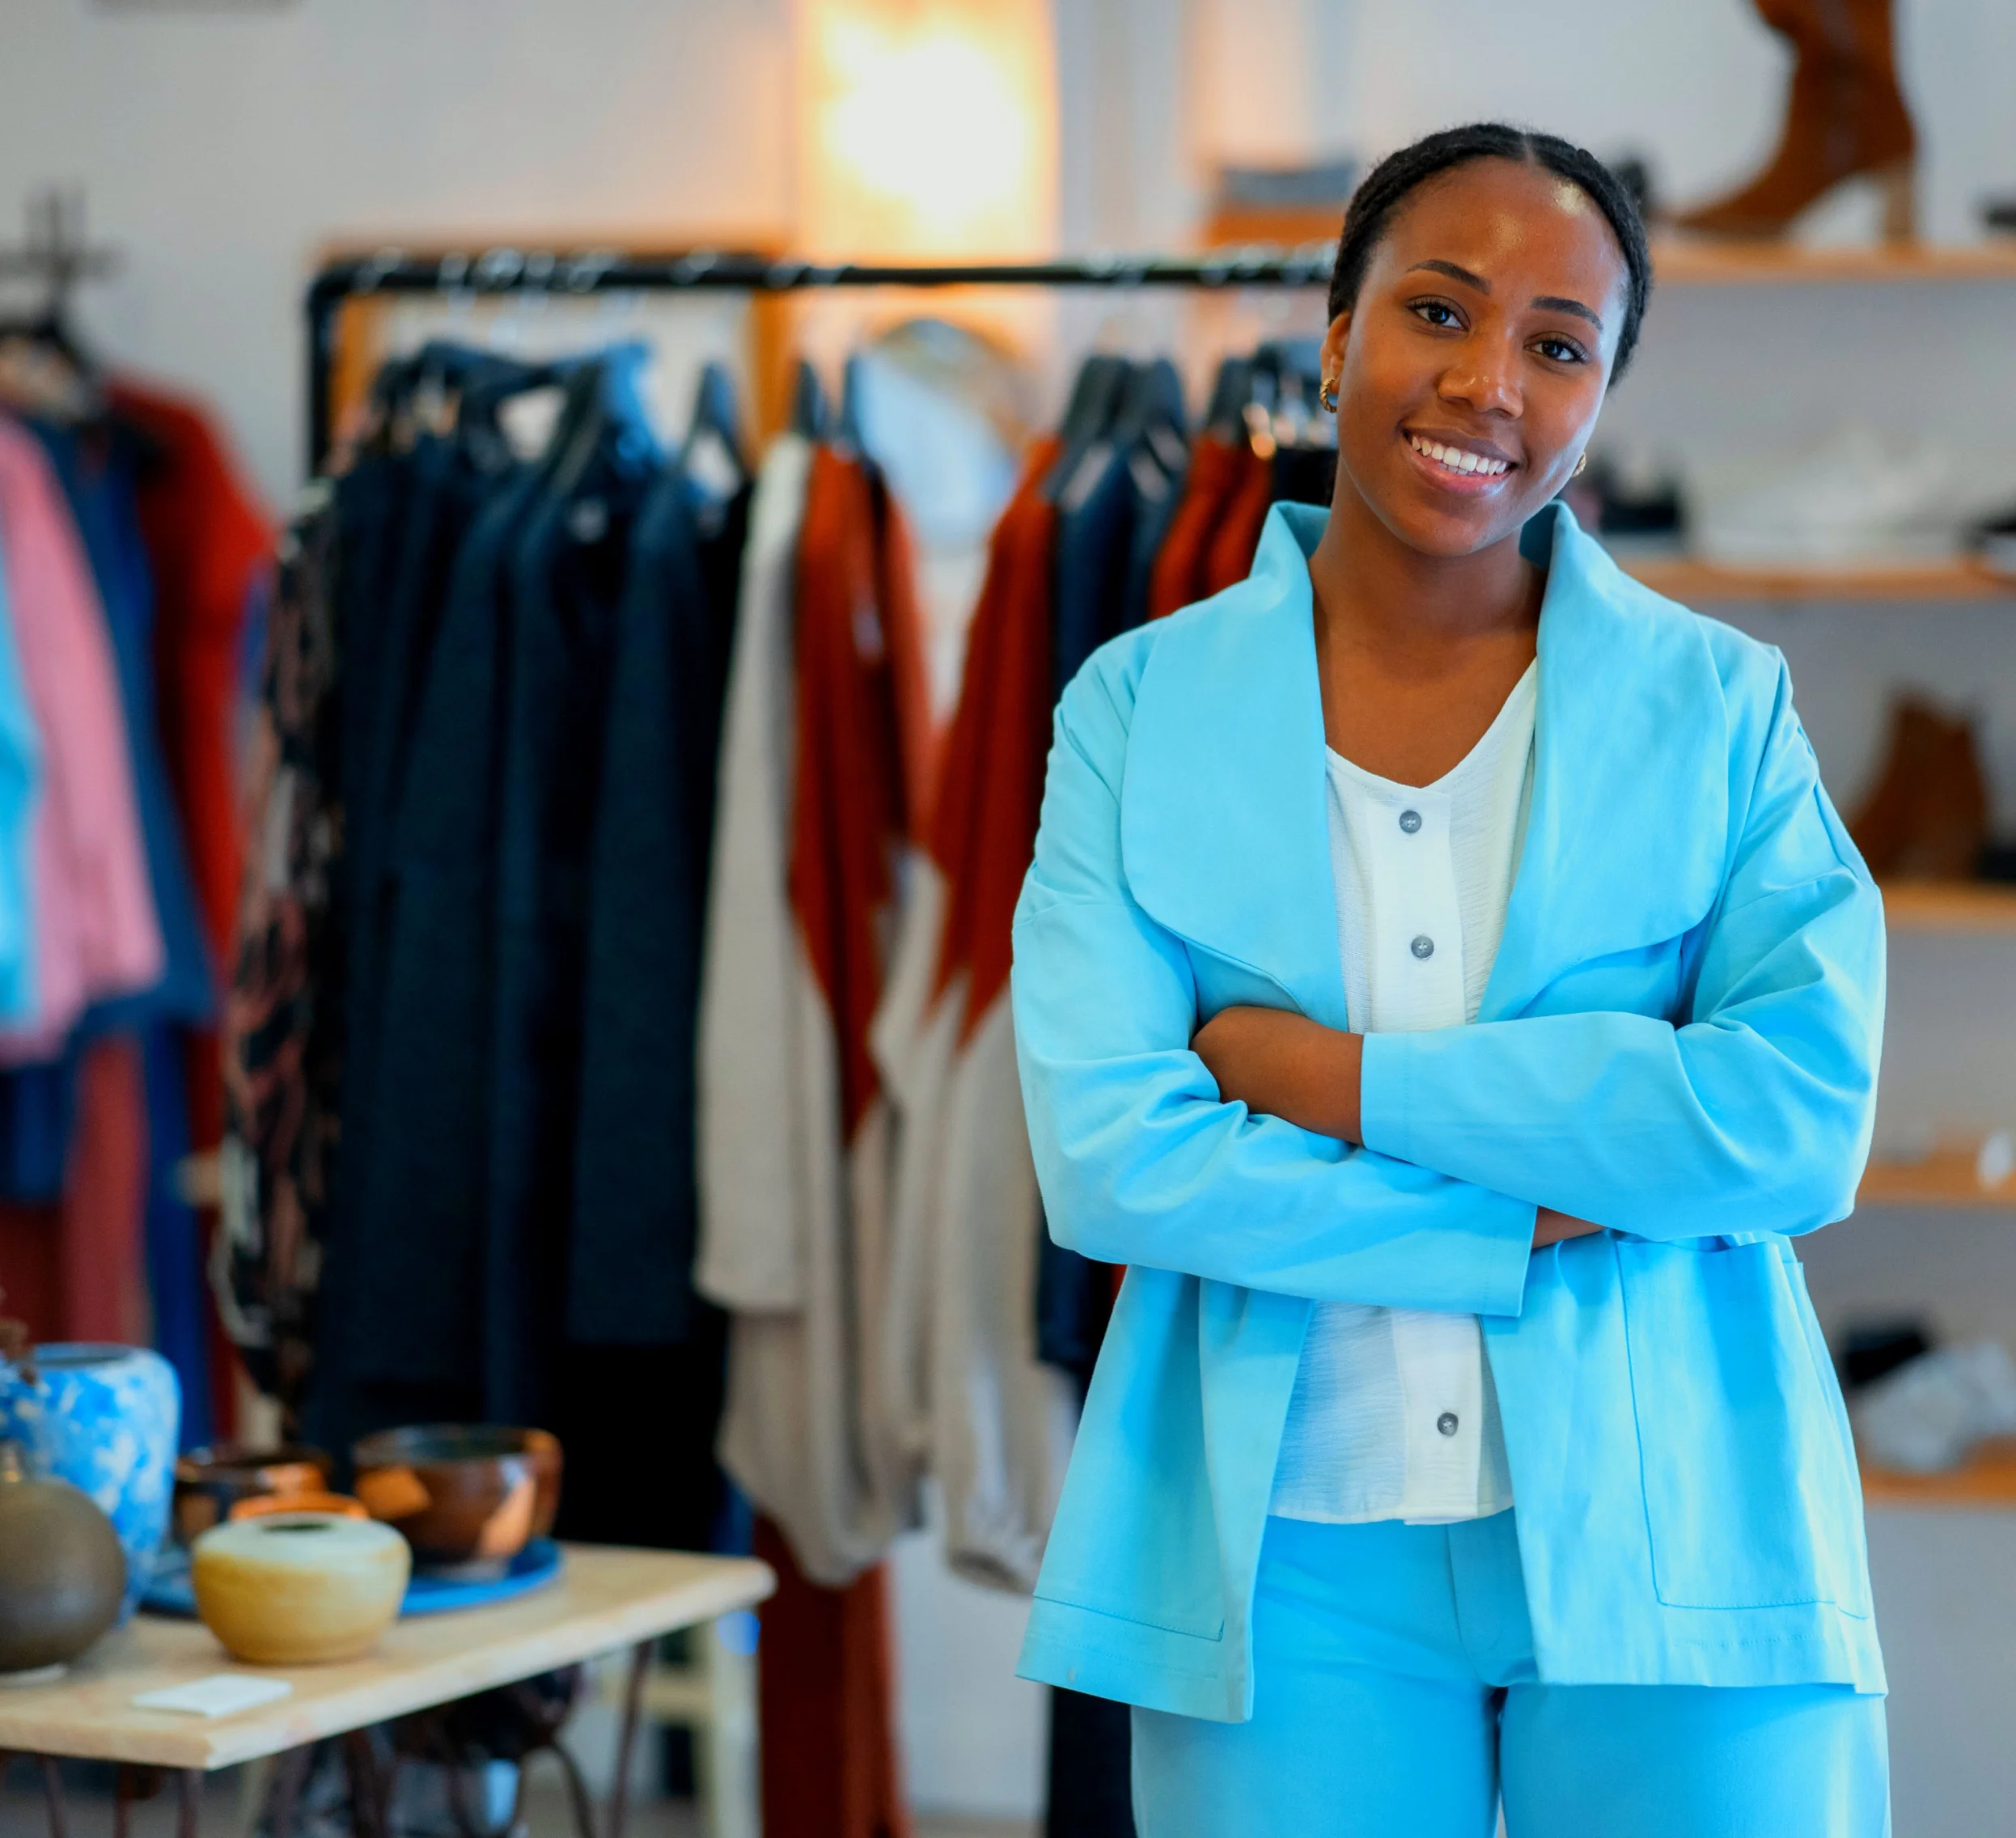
[928, 128]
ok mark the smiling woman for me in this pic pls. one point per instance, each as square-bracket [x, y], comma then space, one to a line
[1443, 982]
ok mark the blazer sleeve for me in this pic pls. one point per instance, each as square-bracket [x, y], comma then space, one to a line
[1138, 1160]
[1752, 1114]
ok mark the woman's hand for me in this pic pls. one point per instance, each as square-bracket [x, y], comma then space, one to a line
[1551, 1227]
[1285, 1065]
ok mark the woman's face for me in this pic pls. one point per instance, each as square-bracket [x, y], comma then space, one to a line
[1472, 365]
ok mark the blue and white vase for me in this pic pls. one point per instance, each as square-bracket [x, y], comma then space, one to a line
[105, 1418]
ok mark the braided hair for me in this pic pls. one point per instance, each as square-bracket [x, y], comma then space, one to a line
[1388, 185]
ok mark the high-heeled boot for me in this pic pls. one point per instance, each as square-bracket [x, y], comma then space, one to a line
[1845, 118]
[1926, 816]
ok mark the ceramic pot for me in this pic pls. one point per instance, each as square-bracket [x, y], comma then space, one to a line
[467, 1497]
[210, 1483]
[265, 1505]
[62, 1573]
[103, 1418]
[297, 1589]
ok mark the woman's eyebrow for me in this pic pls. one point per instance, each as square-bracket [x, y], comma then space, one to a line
[1556, 303]
[1547, 302]
[1435, 266]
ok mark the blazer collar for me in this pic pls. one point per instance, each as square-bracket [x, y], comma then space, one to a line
[1224, 826]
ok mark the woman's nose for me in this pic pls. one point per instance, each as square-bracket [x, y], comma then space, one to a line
[1485, 379]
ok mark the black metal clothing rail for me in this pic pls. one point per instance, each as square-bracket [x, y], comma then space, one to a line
[600, 271]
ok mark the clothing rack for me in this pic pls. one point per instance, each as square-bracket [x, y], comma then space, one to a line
[504, 270]
[56, 251]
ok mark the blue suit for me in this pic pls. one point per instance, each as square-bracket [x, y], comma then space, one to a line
[1678, 1041]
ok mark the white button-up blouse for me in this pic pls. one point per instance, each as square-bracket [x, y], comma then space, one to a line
[1393, 1416]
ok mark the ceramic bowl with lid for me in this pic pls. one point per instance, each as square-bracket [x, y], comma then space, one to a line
[297, 1589]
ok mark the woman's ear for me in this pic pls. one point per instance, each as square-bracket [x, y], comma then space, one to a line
[1333, 344]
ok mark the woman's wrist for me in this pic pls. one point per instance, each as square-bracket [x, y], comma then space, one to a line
[1287, 1066]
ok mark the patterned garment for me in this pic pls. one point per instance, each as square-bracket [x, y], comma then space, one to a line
[281, 1049]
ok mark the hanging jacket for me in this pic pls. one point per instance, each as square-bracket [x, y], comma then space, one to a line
[635, 1198]
[95, 470]
[978, 1407]
[1177, 578]
[97, 936]
[568, 579]
[805, 1433]
[1678, 1041]
[280, 1047]
[21, 792]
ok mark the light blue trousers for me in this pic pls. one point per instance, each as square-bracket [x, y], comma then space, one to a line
[1396, 1696]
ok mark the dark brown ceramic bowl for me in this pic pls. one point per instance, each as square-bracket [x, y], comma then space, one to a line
[210, 1482]
[467, 1497]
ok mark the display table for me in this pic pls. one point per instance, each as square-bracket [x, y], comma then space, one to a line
[606, 1597]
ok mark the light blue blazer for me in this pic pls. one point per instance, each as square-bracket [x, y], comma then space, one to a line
[1678, 1041]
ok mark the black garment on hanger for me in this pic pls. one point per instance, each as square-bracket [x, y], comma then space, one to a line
[635, 1198]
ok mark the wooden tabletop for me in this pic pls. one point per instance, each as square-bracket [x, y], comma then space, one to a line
[606, 1597]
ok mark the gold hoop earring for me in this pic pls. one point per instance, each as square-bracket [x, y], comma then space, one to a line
[1327, 394]
[1581, 466]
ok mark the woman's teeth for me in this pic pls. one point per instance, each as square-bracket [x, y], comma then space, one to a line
[1456, 459]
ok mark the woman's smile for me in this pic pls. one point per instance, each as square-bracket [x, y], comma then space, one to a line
[1473, 468]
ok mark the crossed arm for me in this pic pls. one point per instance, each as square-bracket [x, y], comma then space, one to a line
[1228, 1155]
[1285, 1065]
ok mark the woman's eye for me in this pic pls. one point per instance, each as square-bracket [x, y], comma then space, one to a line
[1435, 312]
[1561, 350]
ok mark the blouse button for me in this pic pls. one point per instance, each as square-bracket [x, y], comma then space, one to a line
[1423, 946]
[1446, 1423]
[1410, 821]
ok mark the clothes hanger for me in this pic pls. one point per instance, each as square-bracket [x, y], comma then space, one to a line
[810, 411]
[1225, 419]
[1089, 417]
[712, 453]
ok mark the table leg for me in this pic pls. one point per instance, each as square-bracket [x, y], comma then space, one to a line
[188, 1791]
[52, 1793]
[287, 1788]
[626, 1743]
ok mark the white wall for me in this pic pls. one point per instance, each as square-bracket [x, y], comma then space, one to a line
[218, 149]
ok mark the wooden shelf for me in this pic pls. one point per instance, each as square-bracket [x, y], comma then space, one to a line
[1945, 1177]
[1695, 261]
[1689, 261]
[1986, 1478]
[1695, 583]
[1950, 906]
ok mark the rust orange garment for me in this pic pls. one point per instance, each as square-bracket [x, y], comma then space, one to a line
[1233, 543]
[850, 808]
[984, 830]
[208, 540]
[826, 1690]
[1178, 577]
[31, 1267]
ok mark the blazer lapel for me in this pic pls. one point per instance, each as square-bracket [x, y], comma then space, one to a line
[1627, 837]
[1224, 832]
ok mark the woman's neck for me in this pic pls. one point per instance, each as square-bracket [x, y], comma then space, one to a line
[1375, 593]
[1416, 652]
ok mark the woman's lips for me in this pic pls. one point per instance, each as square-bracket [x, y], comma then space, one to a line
[1457, 469]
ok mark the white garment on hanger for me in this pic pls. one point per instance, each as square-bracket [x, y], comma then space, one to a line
[792, 1221]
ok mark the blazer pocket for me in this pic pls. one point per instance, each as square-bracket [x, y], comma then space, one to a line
[1752, 1496]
